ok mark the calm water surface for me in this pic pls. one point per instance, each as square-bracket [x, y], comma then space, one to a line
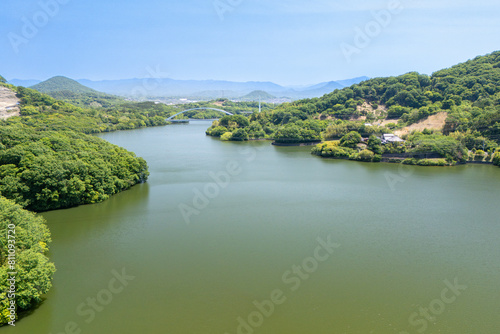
[403, 236]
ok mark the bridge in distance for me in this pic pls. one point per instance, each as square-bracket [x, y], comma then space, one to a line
[171, 118]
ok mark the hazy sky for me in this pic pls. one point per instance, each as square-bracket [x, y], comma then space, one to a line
[288, 42]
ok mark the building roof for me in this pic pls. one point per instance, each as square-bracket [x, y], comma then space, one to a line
[391, 138]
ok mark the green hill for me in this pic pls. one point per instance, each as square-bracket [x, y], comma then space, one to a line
[256, 95]
[69, 90]
[468, 94]
[48, 162]
[60, 83]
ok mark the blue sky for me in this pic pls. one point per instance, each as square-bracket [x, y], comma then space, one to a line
[290, 42]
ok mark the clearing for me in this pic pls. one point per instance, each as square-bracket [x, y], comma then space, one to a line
[433, 122]
[9, 103]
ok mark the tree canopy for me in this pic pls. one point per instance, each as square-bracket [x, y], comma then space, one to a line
[46, 170]
[34, 271]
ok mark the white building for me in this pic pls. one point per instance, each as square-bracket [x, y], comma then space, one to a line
[390, 138]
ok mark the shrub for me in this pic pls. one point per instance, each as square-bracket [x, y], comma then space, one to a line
[332, 150]
[351, 139]
[240, 135]
[241, 121]
[375, 144]
[444, 145]
[366, 155]
[217, 131]
[496, 159]
[479, 156]
[426, 162]
[226, 136]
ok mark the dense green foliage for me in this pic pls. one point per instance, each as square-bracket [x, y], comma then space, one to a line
[346, 150]
[94, 100]
[294, 133]
[446, 146]
[414, 96]
[224, 104]
[48, 161]
[34, 271]
[41, 110]
[352, 139]
[60, 83]
[418, 144]
[279, 127]
[340, 128]
[46, 170]
[71, 91]
[332, 149]
[469, 94]
[2, 79]
[426, 162]
[496, 159]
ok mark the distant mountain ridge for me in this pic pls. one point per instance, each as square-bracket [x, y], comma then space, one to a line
[148, 88]
[211, 88]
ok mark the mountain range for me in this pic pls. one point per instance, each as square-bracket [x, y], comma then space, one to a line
[202, 89]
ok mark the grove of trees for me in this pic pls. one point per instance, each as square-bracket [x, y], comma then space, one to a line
[33, 269]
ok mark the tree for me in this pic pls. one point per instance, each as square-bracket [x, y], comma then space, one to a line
[226, 136]
[217, 131]
[366, 155]
[447, 104]
[496, 159]
[2, 79]
[375, 144]
[288, 134]
[240, 120]
[240, 135]
[351, 139]
[479, 156]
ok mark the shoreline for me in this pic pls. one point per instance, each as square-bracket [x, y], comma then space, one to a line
[296, 144]
[392, 161]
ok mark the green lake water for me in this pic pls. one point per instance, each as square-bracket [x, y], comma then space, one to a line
[413, 249]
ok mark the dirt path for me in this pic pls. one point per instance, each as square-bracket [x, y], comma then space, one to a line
[8, 103]
[434, 122]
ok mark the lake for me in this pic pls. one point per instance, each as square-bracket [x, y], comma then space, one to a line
[253, 238]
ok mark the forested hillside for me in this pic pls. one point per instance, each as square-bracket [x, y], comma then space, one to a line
[33, 271]
[469, 94]
[40, 109]
[46, 170]
[71, 91]
[224, 104]
[47, 161]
